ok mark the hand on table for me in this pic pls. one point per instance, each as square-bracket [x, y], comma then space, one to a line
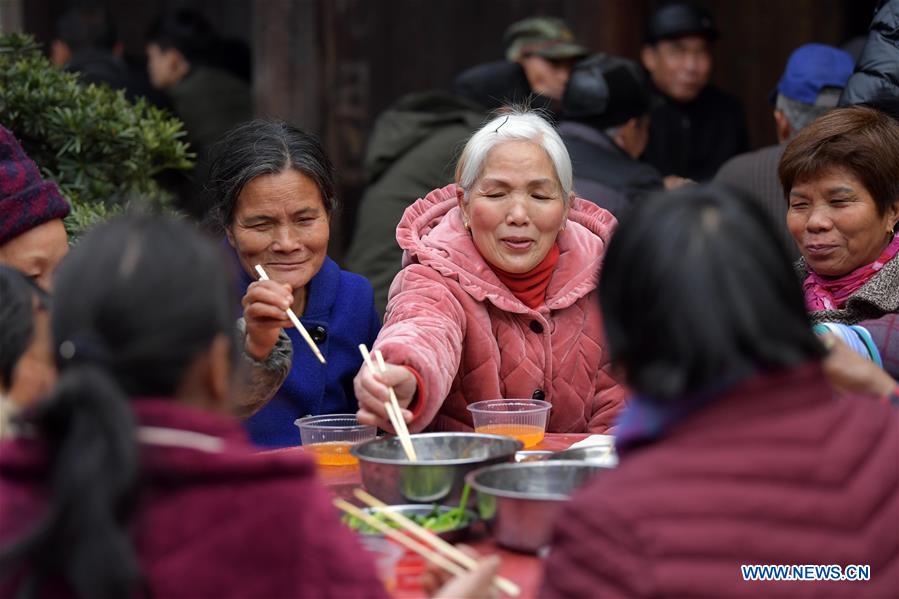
[849, 372]
[265, 311]
[372, 392]
[477, 583]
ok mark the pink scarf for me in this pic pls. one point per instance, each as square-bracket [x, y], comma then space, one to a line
[831, 294]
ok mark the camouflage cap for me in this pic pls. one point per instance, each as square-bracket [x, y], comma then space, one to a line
[548, 37]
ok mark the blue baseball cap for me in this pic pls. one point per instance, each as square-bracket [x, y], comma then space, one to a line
[810, 69]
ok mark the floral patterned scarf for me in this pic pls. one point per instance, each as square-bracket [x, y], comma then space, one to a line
[832, 294]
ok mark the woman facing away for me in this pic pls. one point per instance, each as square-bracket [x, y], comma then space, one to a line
[839, 179]
[273, 194]
[497, 297]
[136, 481]
[27, 369]
[735, 451]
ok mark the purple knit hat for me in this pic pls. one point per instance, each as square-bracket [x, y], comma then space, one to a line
[26, 200]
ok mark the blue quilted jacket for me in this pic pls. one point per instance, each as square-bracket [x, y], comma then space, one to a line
[339, 315]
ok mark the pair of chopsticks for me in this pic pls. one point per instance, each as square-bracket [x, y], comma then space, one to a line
[393, 406]
[439, 552]
[296, 321]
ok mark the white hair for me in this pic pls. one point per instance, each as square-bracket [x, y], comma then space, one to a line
[514, 125]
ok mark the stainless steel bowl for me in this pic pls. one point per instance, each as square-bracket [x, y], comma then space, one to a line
[520, 502]
[439, 474]
[453, 535]
[597, 455]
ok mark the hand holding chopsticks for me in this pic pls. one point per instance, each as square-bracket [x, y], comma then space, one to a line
[394, 412]
[296, 321]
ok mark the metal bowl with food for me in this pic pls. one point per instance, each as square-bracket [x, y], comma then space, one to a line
[449, 523]
[520, 502]
[439, 474]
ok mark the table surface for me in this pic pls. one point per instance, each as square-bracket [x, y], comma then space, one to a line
[523, 569]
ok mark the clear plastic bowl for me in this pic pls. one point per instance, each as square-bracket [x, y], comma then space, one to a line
[524, 419]
[329, 437]
[387, 556]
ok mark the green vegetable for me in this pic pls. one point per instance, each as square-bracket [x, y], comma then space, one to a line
[458, 514]
[439, 519]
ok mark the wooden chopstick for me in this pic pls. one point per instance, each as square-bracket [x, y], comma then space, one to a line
[403, 429]
[503, 584]
[394, 414]
[296, 322]
[400, 538]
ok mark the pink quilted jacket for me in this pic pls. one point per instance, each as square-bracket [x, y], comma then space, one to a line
[451, 319]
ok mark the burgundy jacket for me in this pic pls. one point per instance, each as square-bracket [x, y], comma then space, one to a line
[775, 472]
[214, 519]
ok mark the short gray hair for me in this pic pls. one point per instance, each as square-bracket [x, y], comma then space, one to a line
[800, 115]
[516, 124]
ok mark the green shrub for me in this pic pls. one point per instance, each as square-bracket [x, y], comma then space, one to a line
[102, 150]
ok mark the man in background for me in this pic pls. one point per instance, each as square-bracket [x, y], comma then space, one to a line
[540, 53]
[210, 100]
[605, 126]
[547, 50]
[811, 85]
[86, 43]
[696, 127]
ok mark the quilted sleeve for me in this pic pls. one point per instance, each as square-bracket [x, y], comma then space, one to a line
[423, 329]
[608, 398]
[331, 564]
[594, 554]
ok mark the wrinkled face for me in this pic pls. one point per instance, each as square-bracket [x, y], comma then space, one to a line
[164, 66]
[516, 208]
[35, 373]
[280, 222]
[834, 221]
[37, 252]
[681, 67]
[546, 77]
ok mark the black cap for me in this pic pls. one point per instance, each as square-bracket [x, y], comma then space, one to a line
[606, 91]
[680, 19]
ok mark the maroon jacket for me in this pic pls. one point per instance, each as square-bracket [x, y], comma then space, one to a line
[775, 472]
[214, 518]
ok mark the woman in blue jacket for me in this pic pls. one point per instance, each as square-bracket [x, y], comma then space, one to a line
[273, 195]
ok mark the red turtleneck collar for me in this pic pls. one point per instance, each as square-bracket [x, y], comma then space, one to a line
[530, 287]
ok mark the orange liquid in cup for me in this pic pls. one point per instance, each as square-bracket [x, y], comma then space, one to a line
[332, 453]
[529, 435]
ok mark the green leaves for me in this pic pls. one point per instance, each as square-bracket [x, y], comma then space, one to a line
[102, 150]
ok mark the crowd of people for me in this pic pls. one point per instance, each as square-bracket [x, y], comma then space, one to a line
[612, 248]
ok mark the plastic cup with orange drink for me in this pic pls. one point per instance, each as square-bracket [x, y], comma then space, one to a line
[523, 419]
[329, 437]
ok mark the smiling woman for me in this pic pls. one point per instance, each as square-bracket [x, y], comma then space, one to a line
[273, 195]
[839, 179]
[838, 176]
[497, 299]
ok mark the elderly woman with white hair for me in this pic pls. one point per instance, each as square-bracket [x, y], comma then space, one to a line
[497, 295]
